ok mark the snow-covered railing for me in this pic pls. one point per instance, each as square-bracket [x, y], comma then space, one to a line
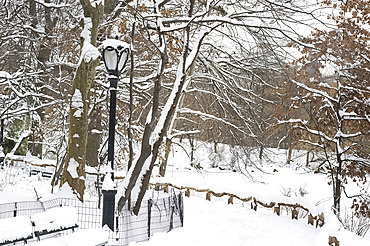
[54, 220]
[24, 228]
[277, 207]
[19, 160]
[44, 166]
[15, 229]
[96, 237]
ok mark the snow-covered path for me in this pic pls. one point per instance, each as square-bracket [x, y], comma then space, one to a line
[217, 223]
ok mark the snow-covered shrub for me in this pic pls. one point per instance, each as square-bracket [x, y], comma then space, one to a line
[8, 176]
[356, 223]
[303, 191]
[223, 156]
[215, 159]
[289, 192]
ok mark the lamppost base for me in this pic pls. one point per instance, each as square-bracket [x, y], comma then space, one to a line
[109, 208]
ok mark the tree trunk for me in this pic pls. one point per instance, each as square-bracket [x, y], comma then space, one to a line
[261, 154]
[43, 53]
[74, 163]
[289, 159]
[35, 140]
[94, 137]
[192, 150]
[109, 6]
[337, 195]
[337, 182]
[308, 159]
[163, 167]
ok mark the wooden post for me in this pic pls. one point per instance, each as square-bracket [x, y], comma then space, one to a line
[208, 196]
[187, 192]
[230, 200]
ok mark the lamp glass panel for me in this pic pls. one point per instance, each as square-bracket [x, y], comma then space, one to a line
[110, 58]
[123, 59]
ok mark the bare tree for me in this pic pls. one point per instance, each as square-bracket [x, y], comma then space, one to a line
[197, 27]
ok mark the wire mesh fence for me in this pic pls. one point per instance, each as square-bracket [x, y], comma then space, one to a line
[14, 209]
[161, 214]
[157, 214]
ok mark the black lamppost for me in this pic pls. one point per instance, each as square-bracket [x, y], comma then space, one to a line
[115, 55]
[2, 125]
[2, 155]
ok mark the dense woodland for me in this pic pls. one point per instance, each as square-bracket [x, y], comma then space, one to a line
[252, 74]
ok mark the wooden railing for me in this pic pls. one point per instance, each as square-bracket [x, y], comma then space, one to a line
[277, 207]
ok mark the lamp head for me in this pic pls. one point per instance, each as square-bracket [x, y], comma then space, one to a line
[115, 55]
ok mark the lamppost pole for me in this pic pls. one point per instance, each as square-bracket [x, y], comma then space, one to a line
[113, 81]
[2, 133]
[2, 156]
[2, 125]
[115, 55]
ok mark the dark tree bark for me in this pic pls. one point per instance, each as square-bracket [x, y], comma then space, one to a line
[75, 161]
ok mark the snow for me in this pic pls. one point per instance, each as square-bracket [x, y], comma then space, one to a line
[65, 191]
[215, 222]
[83, 237]
[51, 5]
[95, 131]
[2, 152]
[15, 228]
[77, 103]
[55, 218]
[108, 183]
[114, 43]
[72, 168]
[206, 225]
[5, 75]
[89, 52]
[97, 2]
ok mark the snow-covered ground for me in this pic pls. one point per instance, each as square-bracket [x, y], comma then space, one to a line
[217, 223]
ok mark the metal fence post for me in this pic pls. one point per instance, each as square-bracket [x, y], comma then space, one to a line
[149, 216]
[181, 208]
[109, 208]
[15, 210]
[172, 208]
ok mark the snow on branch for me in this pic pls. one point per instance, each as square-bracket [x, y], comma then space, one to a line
[27, 94]
[317, 133]
[51, 5]
[209, 116]
[314, 91]
[5, 75]
[340, 134]
[23, 136]
[89, 52]
[321, 146]
[181, 133]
